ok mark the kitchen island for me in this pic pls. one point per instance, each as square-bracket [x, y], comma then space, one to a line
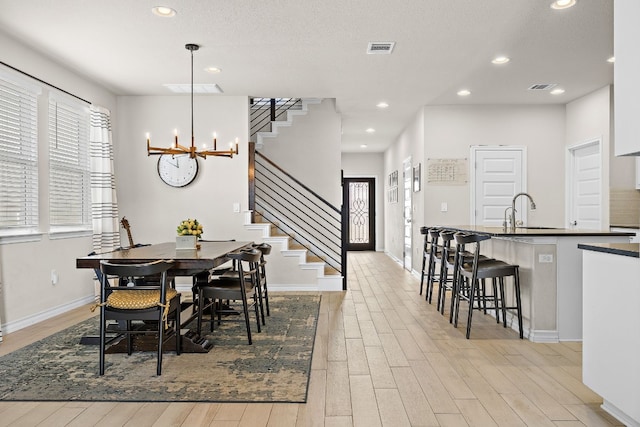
[550, 274]
[611, 342]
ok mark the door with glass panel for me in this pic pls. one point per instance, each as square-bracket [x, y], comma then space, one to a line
[359, 196]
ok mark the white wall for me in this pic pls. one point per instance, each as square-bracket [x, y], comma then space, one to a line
[449, 132]
[369, 165]
[588, 119]
[310, 150]
[26, 292]
[410, 143]
[153, 208]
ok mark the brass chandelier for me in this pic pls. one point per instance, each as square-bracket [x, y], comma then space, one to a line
[176, 148]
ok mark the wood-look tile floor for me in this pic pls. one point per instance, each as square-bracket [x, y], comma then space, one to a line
[382, 357]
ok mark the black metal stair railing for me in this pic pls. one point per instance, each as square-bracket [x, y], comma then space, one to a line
[264, 111]
[297, 211]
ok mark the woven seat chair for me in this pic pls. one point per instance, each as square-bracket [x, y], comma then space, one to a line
[140, 292]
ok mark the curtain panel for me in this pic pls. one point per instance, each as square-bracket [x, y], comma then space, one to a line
[104, 204]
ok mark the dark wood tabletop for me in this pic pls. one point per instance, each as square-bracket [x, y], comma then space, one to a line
[187, 261]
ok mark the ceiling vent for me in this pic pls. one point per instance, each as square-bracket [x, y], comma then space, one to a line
[543, 86]
[197, 88]
[384, 48]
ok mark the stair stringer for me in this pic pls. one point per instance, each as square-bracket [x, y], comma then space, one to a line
[291, 258]
[285, 123]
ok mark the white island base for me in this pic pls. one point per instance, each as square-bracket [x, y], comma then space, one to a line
[611, 343]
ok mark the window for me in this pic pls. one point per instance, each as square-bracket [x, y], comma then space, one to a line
[69, 174]
[18, 155]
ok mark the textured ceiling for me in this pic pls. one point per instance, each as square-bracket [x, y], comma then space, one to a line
[305, 48]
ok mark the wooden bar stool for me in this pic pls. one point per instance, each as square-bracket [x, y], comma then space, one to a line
[471, 277]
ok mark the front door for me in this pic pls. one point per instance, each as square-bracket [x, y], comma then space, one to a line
[359, 194]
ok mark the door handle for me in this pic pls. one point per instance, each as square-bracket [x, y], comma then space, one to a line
[574, 223]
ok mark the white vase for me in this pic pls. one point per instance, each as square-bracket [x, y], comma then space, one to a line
[186, 242]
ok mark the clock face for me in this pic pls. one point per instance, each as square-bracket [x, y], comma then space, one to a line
[177, 170]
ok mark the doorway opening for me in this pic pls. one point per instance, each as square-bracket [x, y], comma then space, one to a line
[407, 179]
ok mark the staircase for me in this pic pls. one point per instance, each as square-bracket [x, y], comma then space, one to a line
[307, 229]
[327, 278]
[282, 114]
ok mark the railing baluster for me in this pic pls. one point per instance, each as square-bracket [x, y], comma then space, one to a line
[299, 212]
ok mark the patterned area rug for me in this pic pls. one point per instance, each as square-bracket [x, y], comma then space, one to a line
[275, 368]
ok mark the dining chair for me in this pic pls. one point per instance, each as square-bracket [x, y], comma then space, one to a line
[263, 291]
[139, 297]
[233, 289]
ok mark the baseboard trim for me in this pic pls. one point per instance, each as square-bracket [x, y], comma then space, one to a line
[16, 325]
[618, 414]
[543, 336]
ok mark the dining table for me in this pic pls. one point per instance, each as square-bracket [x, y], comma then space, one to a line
[187, 262]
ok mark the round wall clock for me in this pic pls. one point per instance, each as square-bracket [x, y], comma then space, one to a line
[177, 170]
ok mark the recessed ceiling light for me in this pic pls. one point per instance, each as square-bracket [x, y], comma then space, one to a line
[499, 60]
[464, 92]
[562, 4]
[557, 91]
[213, 70]
[382, 105]
[163, 11]
[363, 145]
[370, 130]
[612, 59]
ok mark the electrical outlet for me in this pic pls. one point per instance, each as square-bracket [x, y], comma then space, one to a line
[236, 207]
[54, 277]
[545, 258]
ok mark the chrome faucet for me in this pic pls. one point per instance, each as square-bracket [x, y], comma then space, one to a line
[513, 208]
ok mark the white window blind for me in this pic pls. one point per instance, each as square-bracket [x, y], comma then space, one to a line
[69, 174]
[18, 155]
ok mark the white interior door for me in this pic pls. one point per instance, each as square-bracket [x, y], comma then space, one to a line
[407, 180]
[498, 175]
[585, 186]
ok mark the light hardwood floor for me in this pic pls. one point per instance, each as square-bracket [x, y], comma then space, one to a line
[382, 357]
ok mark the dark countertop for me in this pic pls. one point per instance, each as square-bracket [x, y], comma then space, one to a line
[624, 249]
[535, 231]
[632, 226]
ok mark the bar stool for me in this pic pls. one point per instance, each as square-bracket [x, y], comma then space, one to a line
[447, 260]
[435, 259]
[424, 230]
[470, 280]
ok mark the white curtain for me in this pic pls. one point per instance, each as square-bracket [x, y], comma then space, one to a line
[104, 204]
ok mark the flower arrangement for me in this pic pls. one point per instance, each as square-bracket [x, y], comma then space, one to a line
[190, 227]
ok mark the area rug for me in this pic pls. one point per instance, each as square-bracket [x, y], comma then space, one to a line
[275, 368]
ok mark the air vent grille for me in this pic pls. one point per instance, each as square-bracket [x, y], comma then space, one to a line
[384, 48]
[543, 86]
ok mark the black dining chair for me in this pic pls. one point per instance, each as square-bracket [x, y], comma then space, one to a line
[241, 288]
[139, 292]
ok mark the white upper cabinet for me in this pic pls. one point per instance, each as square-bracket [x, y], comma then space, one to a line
[626, 72]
